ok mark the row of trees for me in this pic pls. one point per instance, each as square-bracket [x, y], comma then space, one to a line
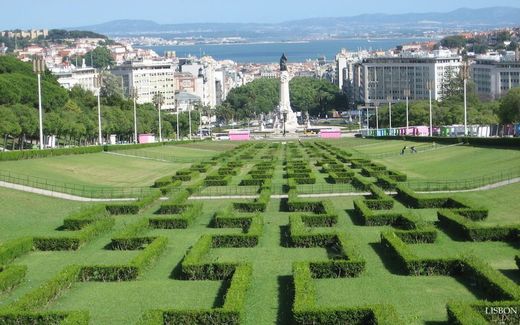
[319, 98]
[72, 115]
[315, 96]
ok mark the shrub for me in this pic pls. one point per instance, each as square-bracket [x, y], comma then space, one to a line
[181, 221]
[31, 154]
[75, 240]
[463, 227]
[361, 183]
[11, 275]
[48, 291]
[85, 216]
[133, 207]
[15, 248]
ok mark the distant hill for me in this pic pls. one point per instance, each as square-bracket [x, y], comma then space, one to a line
[461, 18]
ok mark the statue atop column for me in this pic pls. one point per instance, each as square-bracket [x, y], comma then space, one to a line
[286, 118]
[283, 63]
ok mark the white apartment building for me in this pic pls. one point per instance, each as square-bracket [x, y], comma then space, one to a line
[494, 77]
[71, 76]
[149, 77]
[379, 78]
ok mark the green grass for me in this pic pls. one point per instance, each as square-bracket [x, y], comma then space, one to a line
[26, 214]
[418, 300]
[93, 170]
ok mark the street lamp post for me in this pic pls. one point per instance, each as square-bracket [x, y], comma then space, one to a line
[189, 119]
[99, 84]
[407, 95]
[135, 96]
[377, 118]
[389, 98]
[39, 68]
[177, 118]
[465, 72]
[200, 122]
[429, 85]
[158, 100]
[368, 124]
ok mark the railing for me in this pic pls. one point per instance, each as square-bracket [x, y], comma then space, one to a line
[85, 191]
[419, 148]
[464, 184]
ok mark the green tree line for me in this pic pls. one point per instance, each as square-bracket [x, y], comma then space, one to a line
[72, 115]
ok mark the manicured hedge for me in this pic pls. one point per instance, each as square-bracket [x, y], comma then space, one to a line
[85, 216]
[418, 201]
[31, 154]
[11, 275]
[229, 313]
[48, 291]
[15, 248]
[127, 272]
[193, 268]
[46, 318]
[475, 313]
[361, 183]
[398, 219]
[134, 206]
[469, 230]
[306, 311]
[258, 205]
[74, 240]
[181, 221]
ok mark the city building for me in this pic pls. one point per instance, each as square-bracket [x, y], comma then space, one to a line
[148, 77]
[70, 76]
[495, 76]
[380, 79]
[30, 34]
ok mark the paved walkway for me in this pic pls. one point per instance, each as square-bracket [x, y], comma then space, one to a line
[233, 197]
[59, 194]
[482, 188]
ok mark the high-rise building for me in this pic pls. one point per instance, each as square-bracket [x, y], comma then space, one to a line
[495, 76]
[149, 77]
[380, 78]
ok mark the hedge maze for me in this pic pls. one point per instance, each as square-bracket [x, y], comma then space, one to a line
[274, 259]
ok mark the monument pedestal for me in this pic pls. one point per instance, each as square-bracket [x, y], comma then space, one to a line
[284, 110]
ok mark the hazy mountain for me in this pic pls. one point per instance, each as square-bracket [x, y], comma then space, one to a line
[388, 23]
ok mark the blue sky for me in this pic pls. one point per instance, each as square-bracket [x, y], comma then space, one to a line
[67, 13]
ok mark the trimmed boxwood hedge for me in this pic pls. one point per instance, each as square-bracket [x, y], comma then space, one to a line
[495, 284]
[76, 239]
[15, 248]
[135, 206]
[11, 275]
[306, 311]
[48, 291]
[31, 154]
[231, 312]
[45, 318]
[398, 219]
[361, 183]
[181, 221]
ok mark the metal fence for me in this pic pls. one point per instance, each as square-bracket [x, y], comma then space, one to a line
[464, 184]
[74, 189]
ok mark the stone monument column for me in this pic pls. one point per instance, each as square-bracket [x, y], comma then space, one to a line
[285, 113]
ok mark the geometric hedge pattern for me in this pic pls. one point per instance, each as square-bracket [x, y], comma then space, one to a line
[313, 243]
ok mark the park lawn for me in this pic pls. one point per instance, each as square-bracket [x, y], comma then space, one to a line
[503, 203]
[269, 298]
[99, 169]
[183, 153]
[455, 163]
[26, 214]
